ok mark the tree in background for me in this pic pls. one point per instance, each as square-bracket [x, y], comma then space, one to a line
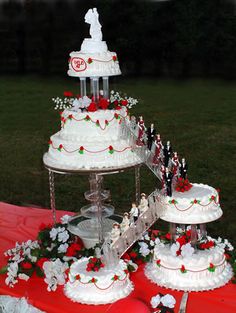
[178, 38]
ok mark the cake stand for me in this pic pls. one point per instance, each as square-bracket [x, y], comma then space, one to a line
[95, 220]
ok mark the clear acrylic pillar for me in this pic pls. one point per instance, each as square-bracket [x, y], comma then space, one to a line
[83, 91]
[172, 231]
[203, 231]
[94, 85]
[105, 82]
[194, 235]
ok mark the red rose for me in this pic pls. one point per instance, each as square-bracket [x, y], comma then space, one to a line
[60, 146]
[43, 226]
[110, 148]
[115, 277]
[133, 254]
[77, 277]
[50, 142]
[210, 244]
[188, 233]
[181, 240]
[40, 262]
[139, 262]
[26, 265]
[212, 265]
[73, 249]
[68, 94]
[114, 57]
[89, 61]
[92, 107]
[168, 236]
[124, 102]
[103, 103]
[183, 269]
[116, 102]
[195, 201]
[70, 116]
[93, 280]
[118, 107]
[126, 256]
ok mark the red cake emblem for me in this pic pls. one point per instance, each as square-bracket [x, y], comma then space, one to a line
[78, 64]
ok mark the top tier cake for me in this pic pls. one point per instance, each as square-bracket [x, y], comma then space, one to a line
[93, 59]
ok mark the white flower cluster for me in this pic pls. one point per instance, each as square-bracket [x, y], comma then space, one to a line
[17, 255]
[54, 273]
[115, 96]
[81, 103]
[62, 104]
[65, 219]
[186, 250]
[60, 234]
[144, 249]
[222, 243]
[167, 301]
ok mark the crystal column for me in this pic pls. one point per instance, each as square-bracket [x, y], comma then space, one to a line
[94, 83]
[105, 86]
[83, 91]
[172, 231]
[194, 235]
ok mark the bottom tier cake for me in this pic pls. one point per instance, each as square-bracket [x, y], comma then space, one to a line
[205, 270]
[104, 286]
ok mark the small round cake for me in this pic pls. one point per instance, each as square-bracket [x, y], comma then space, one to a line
[93, 60]
[90, 64]
[104, 286]
[204, 270]
[90, 140]
[198, 205]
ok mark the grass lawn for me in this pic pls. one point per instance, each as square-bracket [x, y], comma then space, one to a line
[197, 116]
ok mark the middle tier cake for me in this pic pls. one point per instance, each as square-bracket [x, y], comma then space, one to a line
[90, 140]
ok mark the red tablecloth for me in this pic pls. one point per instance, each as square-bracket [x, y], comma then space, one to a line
[21, 223]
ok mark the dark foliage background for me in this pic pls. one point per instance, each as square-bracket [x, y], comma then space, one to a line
[178, 38]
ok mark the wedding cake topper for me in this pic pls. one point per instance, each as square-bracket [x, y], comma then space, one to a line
[91, 17]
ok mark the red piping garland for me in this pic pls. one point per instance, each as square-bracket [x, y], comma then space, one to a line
[89, 282]
[95, 122]
[73, 151]
[198, 271]
[107, 61]
[203, 205]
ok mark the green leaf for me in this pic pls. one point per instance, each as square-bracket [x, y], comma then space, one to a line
[3, 270]
[39, 272]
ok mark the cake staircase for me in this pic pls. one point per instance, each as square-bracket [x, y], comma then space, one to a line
[112, 252]
[128, 132]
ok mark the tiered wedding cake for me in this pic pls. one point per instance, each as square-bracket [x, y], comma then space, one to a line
[90, 135]
[190, 260]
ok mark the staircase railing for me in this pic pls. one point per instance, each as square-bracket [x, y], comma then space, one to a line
[113, 252]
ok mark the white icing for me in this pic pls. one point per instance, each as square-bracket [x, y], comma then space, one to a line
[77, 129]
[183, 212]
[92, 46]
[197, 277]
[102, 64]
[104, 291]
[95, 140]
